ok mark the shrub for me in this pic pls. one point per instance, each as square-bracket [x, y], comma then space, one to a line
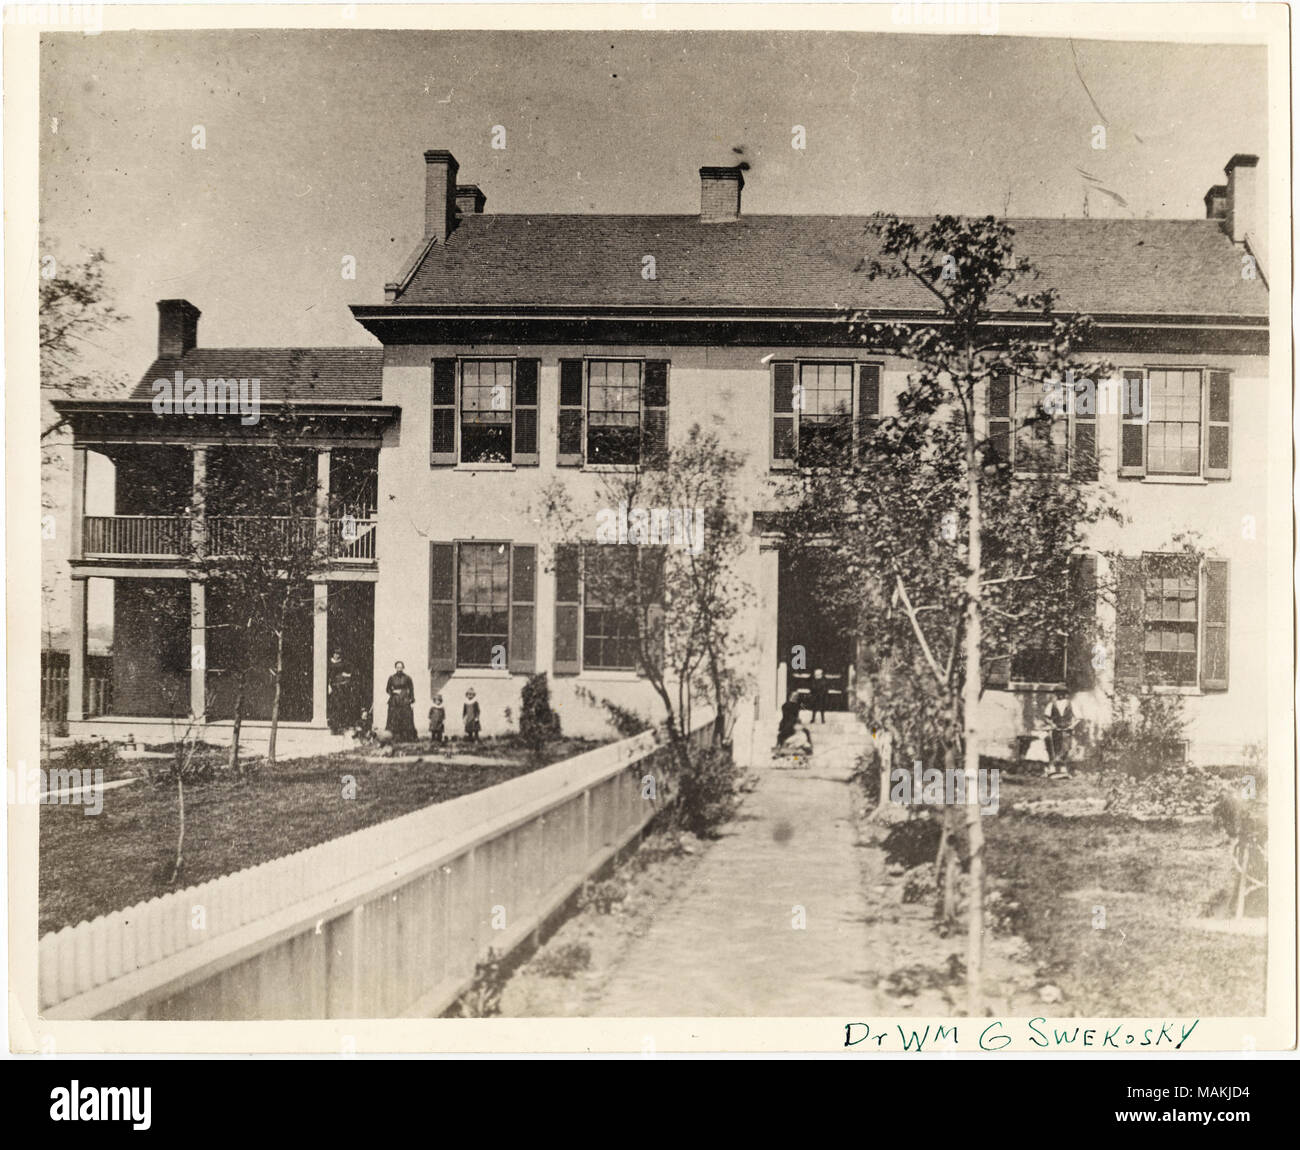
[624, 721]
[1146, 736]
[604, 896]
[91, 755]
[538, 723]
[1163, 794]
[708, 794]
[914, 842]
[562, 961]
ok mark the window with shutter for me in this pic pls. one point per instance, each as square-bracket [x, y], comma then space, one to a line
[442, 606]
[1173, 427]
[783, 436]
[483, 605]
[868, 402]
[1132, 429]
[568, 609]
[999, 405]
[1083, 434]
[654, 426]
[613, 412]
[526, 384]
[523, 608]
[486, 410]
[442, 430]
[1218, 416]
[570, 414]
[1214, 655]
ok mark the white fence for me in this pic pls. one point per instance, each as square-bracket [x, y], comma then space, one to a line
[388, 921]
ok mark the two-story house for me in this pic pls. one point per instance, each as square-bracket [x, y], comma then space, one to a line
[521, 349]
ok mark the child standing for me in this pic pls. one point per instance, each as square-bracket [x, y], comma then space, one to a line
[437, 720]
[470, 714]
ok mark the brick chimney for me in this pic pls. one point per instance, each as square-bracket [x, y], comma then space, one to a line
[440, 170]
[1216, 202]
[178, 328]
[720, 195]
[469, 200]
[1240, 218]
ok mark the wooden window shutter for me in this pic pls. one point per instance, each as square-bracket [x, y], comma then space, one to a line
[1078, 649]
[868, 401]
[523, 608]
[442, 429]
[650, 562]
[442, 606]
[654, 415]
[525, 447]
[1132, 425]
[1214, 656]
[998, 673]
[783, 429]
[568, 609]
[570, 421]
[1218, 426]
[999, 404]
[1130, 623]
[1083, 453]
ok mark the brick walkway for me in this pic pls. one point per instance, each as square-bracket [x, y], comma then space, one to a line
[727, 945]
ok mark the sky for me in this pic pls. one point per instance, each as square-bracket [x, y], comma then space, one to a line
[314, 141]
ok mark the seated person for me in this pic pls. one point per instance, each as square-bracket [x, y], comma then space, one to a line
[791, 722]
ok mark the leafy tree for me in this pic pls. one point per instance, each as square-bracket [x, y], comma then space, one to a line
[947, 538]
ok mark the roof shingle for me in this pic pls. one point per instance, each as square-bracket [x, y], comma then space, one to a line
[300, 374]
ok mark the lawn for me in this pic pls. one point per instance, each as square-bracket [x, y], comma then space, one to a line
[1151, 879]
[93, 865]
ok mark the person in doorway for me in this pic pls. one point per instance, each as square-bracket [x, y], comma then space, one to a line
[341, 706]
[1060, 727]
[817, 695]
[791, 721]
[470, 714]
[401, 705]
[437, 720]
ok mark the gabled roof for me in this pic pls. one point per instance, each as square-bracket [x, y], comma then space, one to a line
[309, 375]
[1098, 266]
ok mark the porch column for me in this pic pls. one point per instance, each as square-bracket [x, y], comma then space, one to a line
[77, 648]
[77, 511]
[198, 650]
[320, 654]
[323, 498]
[198, 501]
[771, 667]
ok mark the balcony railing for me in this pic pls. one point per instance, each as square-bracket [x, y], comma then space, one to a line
[350, 540]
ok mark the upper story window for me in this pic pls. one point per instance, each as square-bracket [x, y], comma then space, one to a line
[613, 412]
[821, 406]
[1040, 430]
[1177, 422]
[484, 411]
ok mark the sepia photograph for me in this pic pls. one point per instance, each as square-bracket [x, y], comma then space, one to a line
[649, 522]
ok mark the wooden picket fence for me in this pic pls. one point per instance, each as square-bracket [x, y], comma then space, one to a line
[54, 686]
[386, 922]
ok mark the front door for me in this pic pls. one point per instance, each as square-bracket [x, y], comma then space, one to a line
[811, 637]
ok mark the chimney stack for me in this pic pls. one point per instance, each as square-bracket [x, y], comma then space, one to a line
[440, 170]
[178, 328]
[1216, 202]
[469, 200]
[1240, 219]
[720, 194]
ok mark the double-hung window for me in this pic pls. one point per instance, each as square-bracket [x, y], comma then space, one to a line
[1176, 421]
[821, 409]
[482, 605]
[483, 411]
[1172, 622]
[1042, 430]
[613, 412]
[597, 588]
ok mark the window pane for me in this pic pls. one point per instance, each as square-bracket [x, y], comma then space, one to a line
[482, 603]
[613, 412]
[1174, 434]
[486, 403]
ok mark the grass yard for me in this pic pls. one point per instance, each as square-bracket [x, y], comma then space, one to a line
[1151, 879]
[93, 865]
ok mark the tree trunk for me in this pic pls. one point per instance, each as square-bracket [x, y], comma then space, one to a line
[275, 697]
[971, 748]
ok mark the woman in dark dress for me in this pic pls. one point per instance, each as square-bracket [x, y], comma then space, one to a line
[401, 705]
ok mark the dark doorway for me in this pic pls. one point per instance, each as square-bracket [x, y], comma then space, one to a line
[351, 632]
[811, 634]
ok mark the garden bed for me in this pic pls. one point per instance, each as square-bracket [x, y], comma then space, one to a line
[93, 865]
